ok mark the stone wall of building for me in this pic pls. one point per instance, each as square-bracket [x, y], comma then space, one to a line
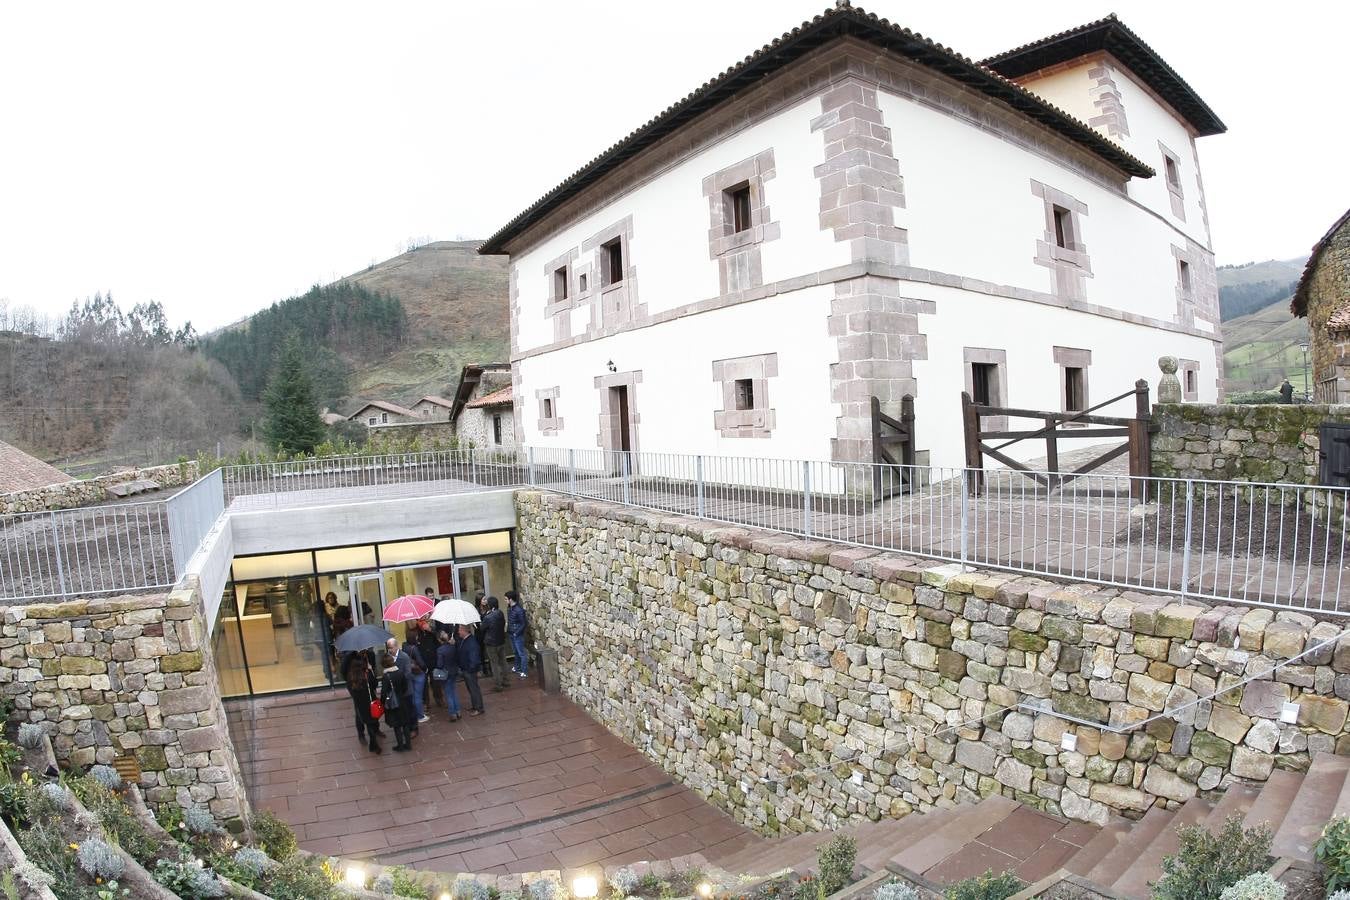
[1273, 442]
[95, 490]
[126, 676]
[800, 683]
[1326, 295]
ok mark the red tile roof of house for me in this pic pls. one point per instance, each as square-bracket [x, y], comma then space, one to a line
[387, 407]
[437, 401]
[501, 397]
[21, 472]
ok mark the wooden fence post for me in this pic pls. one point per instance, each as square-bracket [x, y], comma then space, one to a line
[1141, 452]
[970, 419]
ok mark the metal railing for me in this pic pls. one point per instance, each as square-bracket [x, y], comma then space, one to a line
[192, 513]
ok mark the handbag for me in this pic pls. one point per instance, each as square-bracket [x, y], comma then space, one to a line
[440, 675]
[376, 707]
[390, 695]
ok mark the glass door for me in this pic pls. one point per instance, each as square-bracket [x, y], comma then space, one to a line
[470, 581]
[367, 599]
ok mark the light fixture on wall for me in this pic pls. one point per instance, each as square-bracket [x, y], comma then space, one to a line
[611, 366]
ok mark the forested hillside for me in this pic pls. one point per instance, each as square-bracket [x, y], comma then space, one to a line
[1262, 339]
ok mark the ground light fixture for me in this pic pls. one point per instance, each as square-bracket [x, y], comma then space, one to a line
[355, 876]
[585, 887]
[705, 890]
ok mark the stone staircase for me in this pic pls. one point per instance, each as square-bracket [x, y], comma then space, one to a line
[947, 845]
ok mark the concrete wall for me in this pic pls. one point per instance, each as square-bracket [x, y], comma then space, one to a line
[1243, 442]
[94, 490]
[126, 676]
[767, 672]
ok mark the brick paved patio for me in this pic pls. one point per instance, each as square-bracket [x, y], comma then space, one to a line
[534, 784]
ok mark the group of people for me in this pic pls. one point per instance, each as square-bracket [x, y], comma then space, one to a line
[399, 681]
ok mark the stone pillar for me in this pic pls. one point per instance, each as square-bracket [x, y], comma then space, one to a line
[1169, 385]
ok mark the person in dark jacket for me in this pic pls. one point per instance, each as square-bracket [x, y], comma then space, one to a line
[466, 654]
[480, 604]
[418, 673]
[446, 673]
[516, 624]
[396, 696]
[494, 642]
[362, 686]
[425, 638]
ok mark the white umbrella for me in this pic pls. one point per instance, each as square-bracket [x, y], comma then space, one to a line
[455, 612]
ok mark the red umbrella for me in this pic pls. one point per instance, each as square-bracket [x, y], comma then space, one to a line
[404, 609]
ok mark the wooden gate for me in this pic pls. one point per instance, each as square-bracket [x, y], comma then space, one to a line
[892, 445]
[1136, 431]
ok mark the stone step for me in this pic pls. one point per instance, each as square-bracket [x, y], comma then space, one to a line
[1096, 849]
[797, 853]
[1131, 844]
[1237, 800]
[1147, 866]
[1314, 804]
[1273, 800]
[901, 834]
[961, 829]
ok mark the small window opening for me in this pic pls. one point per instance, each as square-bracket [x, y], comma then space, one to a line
[548, 408]
[581, 283]
[1075, 389]
[983, 383]
[739, 200]
[1063, 227]
[384, 418]
[1184, 273]
[370, 421]
[496, 429]
[1190, 381]
[1173, 175]
[611, 257]
[745, 393]
[560, 283]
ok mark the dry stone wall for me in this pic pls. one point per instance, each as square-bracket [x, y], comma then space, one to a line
[1271, 442]
[801, 683]
[70, 494]
[126, 676]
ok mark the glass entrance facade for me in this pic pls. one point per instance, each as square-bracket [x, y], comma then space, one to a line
[274, 630]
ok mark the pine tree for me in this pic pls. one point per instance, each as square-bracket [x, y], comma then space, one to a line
[292, 418]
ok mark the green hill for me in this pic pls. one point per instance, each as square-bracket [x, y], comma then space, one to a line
[1262, 339]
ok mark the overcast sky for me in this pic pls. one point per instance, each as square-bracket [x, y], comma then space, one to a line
[218, 157]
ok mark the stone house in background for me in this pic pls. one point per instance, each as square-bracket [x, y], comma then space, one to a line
[433, 409]
[21, 472]
[483, 409]
[857, 212]
[380, 412]
[1323, 296]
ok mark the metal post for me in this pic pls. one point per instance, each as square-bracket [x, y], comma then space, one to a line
[806, 498]
[627, 483]
[1186, 545]
[698, 467]
[965, 515]
[56, 545]
[572, 472]
[529, 454]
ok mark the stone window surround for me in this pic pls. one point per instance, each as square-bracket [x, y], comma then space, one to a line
[549, 425]
[1174, 190]
[1075, 358]
[999, 359]
[619, 295]
[608, 436]
[1186, 367]
[1071, 264]
[555, 303]
[737, 252]
[757, 421]
[1186, 306]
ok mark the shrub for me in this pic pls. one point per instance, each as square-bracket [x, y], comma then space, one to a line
[98, 860]
[199, 821]
[274, 836]
[1205, 863]
[383, 884]
[10, 756]
[116, 818]
[55, 795]
[187, 879]
[407, 885]
[469, 889]
[300, 878]
[837, 857]
[106, 776]
[624, 881]
[1257, 886]
[31, 735]
[543, 889]
[808, 888]
[895, 890]
[254, 861]
[47, 850]
[1340, 895]
[985, 887]
[1333, 852]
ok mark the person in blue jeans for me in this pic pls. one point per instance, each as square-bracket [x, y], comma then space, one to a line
[515, 630]
[417, 673]
[447, 666]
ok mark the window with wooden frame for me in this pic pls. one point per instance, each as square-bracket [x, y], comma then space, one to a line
[737, 204]
[984, 383]
[611, 262]
[560, 283]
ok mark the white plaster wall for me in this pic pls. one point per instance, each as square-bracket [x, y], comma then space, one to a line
[670, 226]
[677, 395]
[970, 211]
[1121, 354]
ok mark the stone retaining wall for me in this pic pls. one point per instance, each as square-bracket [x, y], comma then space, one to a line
[1240, 442]
[94, 490]
[768, 673]
[126, 676]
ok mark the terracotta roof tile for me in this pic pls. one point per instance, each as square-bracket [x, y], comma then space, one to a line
[387, 407]
[1299, 305]
[500, 397]
[22, 472]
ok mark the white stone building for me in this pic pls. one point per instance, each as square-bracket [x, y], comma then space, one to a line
[482, 411]
[853, 212]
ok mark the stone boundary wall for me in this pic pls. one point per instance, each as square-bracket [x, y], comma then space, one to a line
[1271, 442]
[766, 672]
[89, 491]
[126, 676]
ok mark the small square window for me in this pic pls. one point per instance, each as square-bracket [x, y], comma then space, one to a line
[1184, 274]
[611, 262]
[581, 283]
[384, 418]
[1075, 389]
[1173, 173]
[745, 393]
[983, 383]
[548, 408]
[738, 204]
[371, 420]
[560, 283]
[1063, 226]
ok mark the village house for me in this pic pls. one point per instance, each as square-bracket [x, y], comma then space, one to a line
[482, 412]
[857, 212]
[433, 409]
[380, 412]
[1323, 297]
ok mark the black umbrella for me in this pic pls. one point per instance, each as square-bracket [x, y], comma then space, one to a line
[362, 637]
